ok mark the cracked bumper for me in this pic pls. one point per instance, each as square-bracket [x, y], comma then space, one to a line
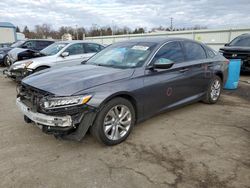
[42, 119]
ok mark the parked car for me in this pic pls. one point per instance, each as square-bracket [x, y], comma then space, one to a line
[28, 50]
[5, 49]
[64, 53]
[123, 84]
[239, 48]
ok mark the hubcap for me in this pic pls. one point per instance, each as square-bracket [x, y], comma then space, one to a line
[117, 122]
[215, 90]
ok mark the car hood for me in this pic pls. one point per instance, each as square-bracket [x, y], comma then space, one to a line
[37, 60]
[5, 49]
[67, 81]
[236, 48]
[15, 51]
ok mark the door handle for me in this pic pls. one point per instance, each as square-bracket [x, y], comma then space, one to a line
[184, 70]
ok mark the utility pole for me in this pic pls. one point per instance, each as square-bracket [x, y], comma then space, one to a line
[171, 24]
[76, 33]
[112, 27]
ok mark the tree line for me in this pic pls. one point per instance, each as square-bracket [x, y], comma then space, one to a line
[46, 31]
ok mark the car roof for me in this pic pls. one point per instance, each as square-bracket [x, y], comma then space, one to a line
[50, 40]
[159, 40]
[76, 41]
[246, 34]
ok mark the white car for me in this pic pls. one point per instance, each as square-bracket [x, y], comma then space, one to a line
[59, 54]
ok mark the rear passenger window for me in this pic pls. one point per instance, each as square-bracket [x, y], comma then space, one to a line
[92, 48]
[171, 51]
[194, 51]
[42, 44]
[75, 49]
[210, 53]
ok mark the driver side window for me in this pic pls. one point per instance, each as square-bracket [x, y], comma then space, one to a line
[75, 49]
[171, 51]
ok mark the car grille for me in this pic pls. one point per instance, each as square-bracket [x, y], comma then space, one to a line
[244, 56]
[31, 96]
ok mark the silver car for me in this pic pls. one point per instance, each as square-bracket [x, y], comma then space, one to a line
[59, 54]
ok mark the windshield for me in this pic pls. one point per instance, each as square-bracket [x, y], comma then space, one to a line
[241, 41]
[123, 55]
[17, 44]
[53, 48]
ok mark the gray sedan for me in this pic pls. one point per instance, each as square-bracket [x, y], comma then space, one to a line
[123, 84]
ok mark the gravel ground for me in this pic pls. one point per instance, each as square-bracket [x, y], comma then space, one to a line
[195, 146]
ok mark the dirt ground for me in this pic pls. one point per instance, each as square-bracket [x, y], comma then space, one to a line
[195, 146]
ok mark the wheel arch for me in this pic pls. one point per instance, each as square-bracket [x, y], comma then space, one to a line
[41, 66]
[125, 95]
[220, 74]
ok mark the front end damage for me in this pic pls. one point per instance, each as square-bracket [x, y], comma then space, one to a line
[17, 74]
[66, 122]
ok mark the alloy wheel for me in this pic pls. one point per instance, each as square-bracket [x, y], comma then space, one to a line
[215, 90]
[117, 122]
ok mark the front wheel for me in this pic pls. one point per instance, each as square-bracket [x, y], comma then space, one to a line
[114, 122]
[213, 91]
[6, 61]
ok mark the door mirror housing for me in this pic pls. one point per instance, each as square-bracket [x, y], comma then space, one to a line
[227, 44]
[163, 63]
[83, 62]
[65, 54]
[24, 46]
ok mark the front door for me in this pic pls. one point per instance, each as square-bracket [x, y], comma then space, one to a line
[167, 87]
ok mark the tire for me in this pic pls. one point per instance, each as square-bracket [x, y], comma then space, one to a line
[6, 61]
[110, 113]
[40, 68]
[214, 90]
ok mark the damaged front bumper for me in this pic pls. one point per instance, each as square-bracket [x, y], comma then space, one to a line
[66, 126]
[42, 119]
[17, 74]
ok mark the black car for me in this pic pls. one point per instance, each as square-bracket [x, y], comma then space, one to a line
[5, 50]
[29, 49]
[123, 84]
[239, 48]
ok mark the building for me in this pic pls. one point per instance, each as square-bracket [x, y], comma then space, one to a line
[67, 36]
[7, 33]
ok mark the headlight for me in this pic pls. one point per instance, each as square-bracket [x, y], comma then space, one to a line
[22, 65]
[59, 102]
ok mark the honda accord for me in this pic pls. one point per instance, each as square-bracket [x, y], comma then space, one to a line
[120, 86]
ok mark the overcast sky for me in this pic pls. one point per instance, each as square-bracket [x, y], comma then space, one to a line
[131, 13]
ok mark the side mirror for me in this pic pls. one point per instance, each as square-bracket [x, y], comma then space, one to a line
[227, 44]
[65, 54]
[24, 46]
[163, 63]
[83, 62]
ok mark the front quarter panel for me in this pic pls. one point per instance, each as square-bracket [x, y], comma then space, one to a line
[131, 87]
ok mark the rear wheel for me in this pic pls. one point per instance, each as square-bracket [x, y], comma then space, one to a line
[213, 91]
[114, 122]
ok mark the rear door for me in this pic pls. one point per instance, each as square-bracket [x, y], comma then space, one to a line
[91, 49]
[166, 88]
[198, 65]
